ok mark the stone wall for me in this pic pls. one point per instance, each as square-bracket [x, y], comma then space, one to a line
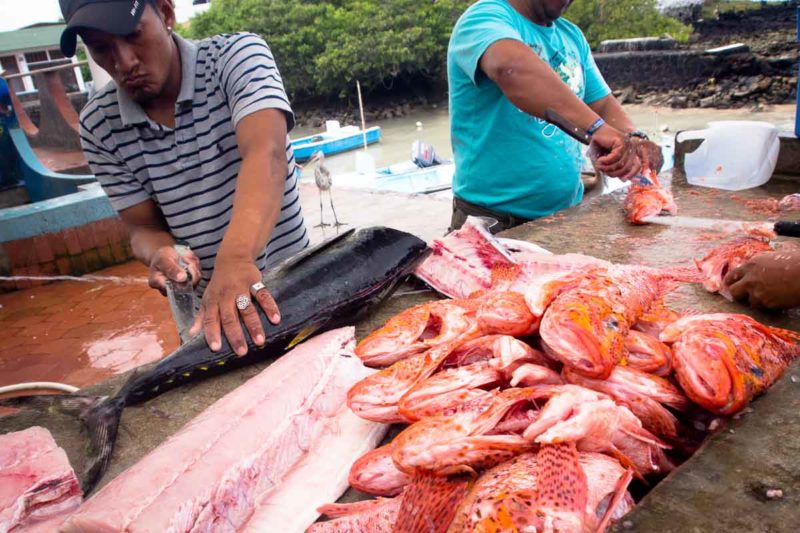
[71, 251]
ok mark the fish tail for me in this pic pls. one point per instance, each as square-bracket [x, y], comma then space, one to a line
[100, 416]
[101, 422]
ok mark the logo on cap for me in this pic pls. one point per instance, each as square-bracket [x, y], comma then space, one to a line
[135, 7]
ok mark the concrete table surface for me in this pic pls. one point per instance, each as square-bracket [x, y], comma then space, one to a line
[721, 488]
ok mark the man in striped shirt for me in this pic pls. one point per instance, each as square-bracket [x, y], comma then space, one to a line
[190, 142]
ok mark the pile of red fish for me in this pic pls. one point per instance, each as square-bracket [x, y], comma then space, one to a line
[538, 392]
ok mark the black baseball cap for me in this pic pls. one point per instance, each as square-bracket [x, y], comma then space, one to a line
[119, 17]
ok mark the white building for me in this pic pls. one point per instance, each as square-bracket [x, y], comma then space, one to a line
[33, 48]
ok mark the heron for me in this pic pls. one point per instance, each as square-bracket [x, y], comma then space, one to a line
[322, 177]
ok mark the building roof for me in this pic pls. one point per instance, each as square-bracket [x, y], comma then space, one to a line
[36, 37]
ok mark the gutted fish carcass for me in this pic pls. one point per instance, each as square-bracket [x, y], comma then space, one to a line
[462, 262]
[216, 472]
[471, 260]
[725, 258]
[596, 423]
[37, 483]
[644, 394]
[722, 361]
[648, 199]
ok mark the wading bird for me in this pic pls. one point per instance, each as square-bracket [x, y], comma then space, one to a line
[322, 177]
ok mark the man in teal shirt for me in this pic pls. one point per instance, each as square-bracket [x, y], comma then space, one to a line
[509, 61]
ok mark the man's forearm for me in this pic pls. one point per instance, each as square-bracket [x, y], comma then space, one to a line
[146, 241]
[612, 112]
[256, 205]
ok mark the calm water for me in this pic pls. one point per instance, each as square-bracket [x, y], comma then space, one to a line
[434, 128]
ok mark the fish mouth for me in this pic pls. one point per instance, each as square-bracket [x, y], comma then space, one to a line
[578, 349]
[708, 385]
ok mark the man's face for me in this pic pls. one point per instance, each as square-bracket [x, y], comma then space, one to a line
[140, 62]
[550, 10]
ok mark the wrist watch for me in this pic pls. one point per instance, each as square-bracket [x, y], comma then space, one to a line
[639, 134]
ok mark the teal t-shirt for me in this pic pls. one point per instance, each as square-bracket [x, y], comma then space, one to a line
[506, 159]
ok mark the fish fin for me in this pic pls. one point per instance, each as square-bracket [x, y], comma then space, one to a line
[560, 481]
[302, 335]
[100, 416]
[429, 503]
[626, 462]
[619, 493]
[312, 251]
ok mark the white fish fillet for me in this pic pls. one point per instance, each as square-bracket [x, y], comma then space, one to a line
[211, 474]
[37, 483]
[320, 478]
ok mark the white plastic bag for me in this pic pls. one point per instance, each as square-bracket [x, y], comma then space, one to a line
[734, 155]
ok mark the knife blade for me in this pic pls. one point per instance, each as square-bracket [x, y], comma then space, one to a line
[785, 228]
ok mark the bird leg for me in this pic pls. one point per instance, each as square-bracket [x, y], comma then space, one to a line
[335, 218]
[322, 223]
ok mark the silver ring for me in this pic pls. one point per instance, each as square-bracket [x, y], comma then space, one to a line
[257, 286]
[242, 302]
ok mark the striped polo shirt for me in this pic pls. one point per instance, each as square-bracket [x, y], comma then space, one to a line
[190, 170]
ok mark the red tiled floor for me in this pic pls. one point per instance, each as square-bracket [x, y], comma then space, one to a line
[80, 333]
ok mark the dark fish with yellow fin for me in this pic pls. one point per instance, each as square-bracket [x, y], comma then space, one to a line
[325, 287]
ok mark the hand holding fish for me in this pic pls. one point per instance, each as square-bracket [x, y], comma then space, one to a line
[164, 266]
[619, 157]
[226, 303]
[770, 280]
[649, 154]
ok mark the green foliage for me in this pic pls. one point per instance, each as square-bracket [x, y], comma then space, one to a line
[622, 19]
[80, 53]
[323, 47]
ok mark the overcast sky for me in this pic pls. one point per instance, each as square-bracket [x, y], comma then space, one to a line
[15, 14]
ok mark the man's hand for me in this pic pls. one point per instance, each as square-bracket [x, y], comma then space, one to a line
[164, 266]
[770, 280]
[233, 277]
[649, 154]
[614, 153]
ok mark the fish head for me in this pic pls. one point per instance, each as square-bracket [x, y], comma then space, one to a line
[585, 333]
[643, 202]
[396, 339]
[656, 319]
[726, 257]
[506, 313]
[375, 473]
[647, 353]
[704, 360]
